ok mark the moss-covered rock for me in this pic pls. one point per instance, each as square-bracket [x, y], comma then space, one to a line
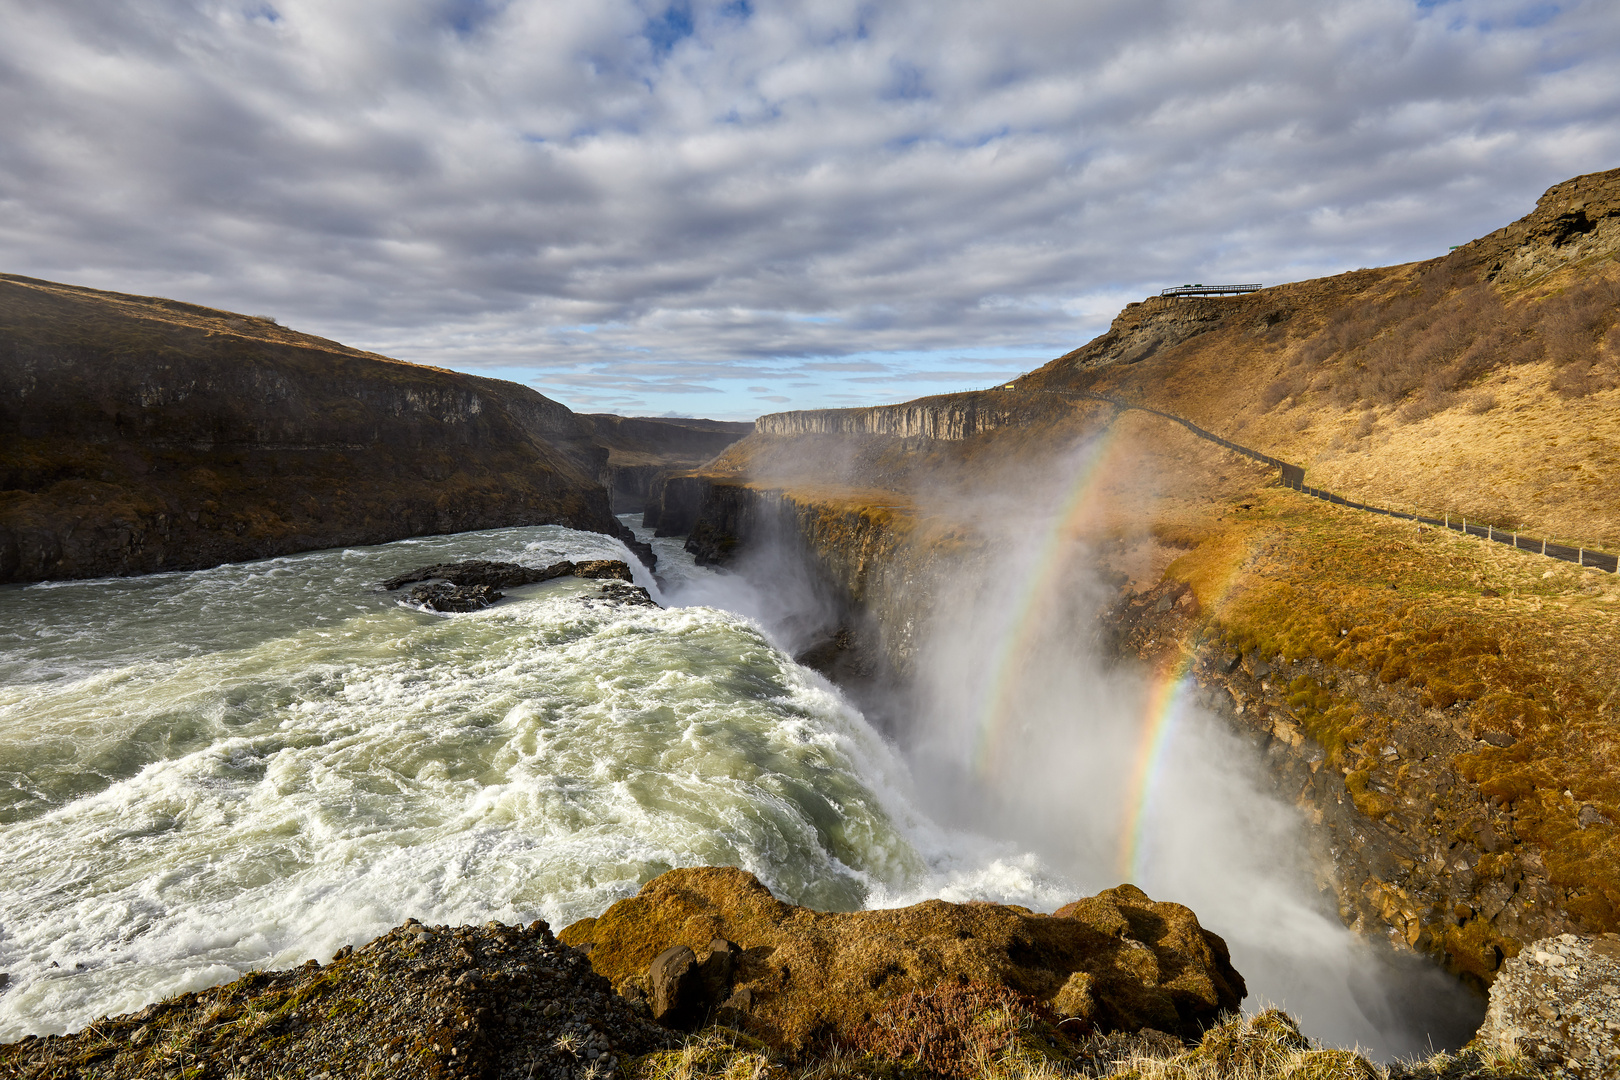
[803, 978]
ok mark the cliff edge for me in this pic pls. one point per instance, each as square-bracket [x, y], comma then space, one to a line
[144, 434]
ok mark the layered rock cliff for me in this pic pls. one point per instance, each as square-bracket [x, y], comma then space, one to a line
[144, 434]
[643, 450]
[948, 416]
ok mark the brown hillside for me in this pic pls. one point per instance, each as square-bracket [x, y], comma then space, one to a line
[144, 434]
[1485, 383]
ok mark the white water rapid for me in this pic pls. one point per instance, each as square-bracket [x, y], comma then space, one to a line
[206, 773]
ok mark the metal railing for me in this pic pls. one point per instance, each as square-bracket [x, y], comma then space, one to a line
[1293, 476]
[1210, 290]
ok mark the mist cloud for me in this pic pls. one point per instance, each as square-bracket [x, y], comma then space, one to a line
[659, 206]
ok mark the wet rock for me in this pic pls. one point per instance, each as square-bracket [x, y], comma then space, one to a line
[457, 598]
[673, 980]
[496, 575]
[1558, 1004]
[498, 1002]
[462, 579]
[634, 595]
[1117, 960]
[601, 569]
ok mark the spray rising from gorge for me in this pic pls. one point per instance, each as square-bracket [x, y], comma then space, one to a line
[1017, 721]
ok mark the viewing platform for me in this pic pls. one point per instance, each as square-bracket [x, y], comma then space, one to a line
[1210, 290]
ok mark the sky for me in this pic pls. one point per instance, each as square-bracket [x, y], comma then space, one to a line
[731, 207]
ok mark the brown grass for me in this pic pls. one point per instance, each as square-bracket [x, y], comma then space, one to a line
[1304, 580]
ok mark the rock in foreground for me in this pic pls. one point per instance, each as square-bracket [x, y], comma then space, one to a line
[1558, 1004]
[714, 943]
[492, 1001]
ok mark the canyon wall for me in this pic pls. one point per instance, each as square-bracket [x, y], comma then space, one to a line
[1465, 893]
[874, 580]
[643, 450]
[948, 416]
[147, 435]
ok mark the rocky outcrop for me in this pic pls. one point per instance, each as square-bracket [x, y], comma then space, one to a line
[699, 942]
[505, 575]
[1157, 323]
[472, 586]
[1573, 222]
[950, 417]
[1558, 1005]
[145, 435]
[419, 1002]
[453, 598]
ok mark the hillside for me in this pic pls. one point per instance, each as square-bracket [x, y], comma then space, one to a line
[1441, 707]
[145, 434]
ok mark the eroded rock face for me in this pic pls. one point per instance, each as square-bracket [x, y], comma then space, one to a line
[714, 943]
[1558, 1003]
[951, 417]
[1573, 221]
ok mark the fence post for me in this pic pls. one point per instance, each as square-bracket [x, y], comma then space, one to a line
[1580, 559]
[1465, 524]
[1544, 545]
[1490, 531]
[1448, 519]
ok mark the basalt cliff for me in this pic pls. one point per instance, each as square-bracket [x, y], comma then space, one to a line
[143, 434]
[1441, 705]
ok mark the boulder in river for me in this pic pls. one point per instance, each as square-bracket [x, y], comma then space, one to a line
[797, 978]
[505, 575]
[475, 584]
[460, 598]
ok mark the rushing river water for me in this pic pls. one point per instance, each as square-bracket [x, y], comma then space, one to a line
[210, 772]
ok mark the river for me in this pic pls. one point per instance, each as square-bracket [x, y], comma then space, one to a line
[211, 772]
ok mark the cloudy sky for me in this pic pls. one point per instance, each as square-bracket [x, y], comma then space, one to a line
[733, 207]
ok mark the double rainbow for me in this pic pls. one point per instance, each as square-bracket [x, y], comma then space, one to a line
[1167, 701]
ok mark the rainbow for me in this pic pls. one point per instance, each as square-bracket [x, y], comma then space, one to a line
[1168, 694]
[1025, 616]
[1166, 698]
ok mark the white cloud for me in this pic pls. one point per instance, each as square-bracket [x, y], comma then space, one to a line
[661, 206]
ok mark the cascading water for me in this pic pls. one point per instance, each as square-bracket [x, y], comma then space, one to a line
[210, 772]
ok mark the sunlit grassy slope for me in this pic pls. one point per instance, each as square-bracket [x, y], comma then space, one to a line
[1485, 383]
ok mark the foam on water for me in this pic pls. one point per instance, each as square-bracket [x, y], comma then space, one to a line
[210, 772]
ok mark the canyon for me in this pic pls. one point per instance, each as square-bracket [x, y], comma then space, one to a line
[146, 434]
[1437, 707]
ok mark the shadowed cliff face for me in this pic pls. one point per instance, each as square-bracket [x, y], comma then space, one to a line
[147, 435]
[644, 450]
